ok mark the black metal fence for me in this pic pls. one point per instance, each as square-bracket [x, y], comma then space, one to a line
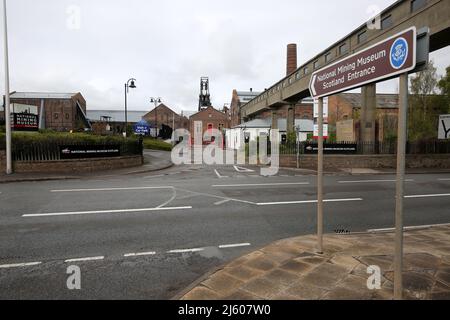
[385, 147]
[48, 151]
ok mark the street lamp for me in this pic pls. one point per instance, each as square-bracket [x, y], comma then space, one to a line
[129, 84]
[7, 99]
[156, 101]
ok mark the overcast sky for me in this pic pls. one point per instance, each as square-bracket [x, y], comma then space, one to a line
[168, 45]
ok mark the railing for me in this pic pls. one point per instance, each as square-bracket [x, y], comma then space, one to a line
[385, 147]
[46, 151]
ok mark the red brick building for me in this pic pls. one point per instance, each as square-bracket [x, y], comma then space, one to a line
[211, 119]
[238, 99]
[163, 115]
[56, 111]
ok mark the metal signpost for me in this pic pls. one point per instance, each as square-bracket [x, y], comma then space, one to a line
[392, 57]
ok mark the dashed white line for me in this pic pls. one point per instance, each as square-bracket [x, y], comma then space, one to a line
[186, 250]
[373, 181]
[112, 189]
[259, 184]
[139, 254]
[103, 211]
[306, 202]
[428, 196]
[19, 265]
[236, 245]
[85, 259]
[442, 179]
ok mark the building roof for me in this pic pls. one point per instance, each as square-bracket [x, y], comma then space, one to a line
[305, 125]
[246, 96]
[116, 115]
[384, 101]
[41, 95]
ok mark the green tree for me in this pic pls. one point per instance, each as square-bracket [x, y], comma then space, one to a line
[444, 86]
[423, 85]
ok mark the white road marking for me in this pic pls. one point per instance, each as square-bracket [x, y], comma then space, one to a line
[226, 246]
[373, 181]
[427, 226]
[19, 265]
[259, 184]
[174, 195]
[156, 176]
[442, 179]
[102, 211]
[139, 254]
[186, 250]
[112, 189]
[222, 202]
[85, 259]
[242, 169]
[219, 175]
[306, 202]
[428, 196]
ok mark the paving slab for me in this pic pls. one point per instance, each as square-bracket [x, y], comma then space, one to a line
[292, 270]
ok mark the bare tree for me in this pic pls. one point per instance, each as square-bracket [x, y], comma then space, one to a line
[423, 85]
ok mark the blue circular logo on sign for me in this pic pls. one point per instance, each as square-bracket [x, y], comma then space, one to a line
[399, 53]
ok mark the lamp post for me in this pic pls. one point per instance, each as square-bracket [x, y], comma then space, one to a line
[7, 99]
[129, 84]
[156, 101]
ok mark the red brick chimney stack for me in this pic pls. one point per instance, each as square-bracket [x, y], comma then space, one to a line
[291, 65]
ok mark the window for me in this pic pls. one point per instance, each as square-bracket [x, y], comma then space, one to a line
[386, 22]
[417, 4]
[297, 75]
[306, 70]
[343, 48]
[55, 115]
[67, 116]
[316, 64]
[328, 57]
[362, 37]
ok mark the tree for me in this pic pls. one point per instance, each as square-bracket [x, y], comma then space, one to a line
[444, 85]
[423, 85]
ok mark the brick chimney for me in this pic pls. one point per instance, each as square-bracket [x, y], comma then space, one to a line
[291, 64]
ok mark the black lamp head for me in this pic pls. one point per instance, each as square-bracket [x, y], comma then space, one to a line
[132, 85]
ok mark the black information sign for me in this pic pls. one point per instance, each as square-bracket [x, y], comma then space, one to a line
[89, 151]
[24, 122]
[332, 148]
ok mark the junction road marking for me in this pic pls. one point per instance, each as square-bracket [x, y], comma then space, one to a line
[112, 189]
[428, 196]
[306, 202]
[84, 259]
[186, 250]
[259, 184]
[242, 169]
[237, 245]
[373, 181]
[102, 211]
[219, 175]
[19, 265]
[140, 254]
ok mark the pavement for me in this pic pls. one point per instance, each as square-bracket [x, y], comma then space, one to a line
[149, 236]
[154, 160]
[291, 269]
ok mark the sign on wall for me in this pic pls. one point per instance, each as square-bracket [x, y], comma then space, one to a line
[335, 148]
[24, 122]
[386, 59]
[444, 127]
[89, 151]
[345, 130]
[142, 127]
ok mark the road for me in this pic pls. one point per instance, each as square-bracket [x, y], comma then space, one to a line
[149, 236]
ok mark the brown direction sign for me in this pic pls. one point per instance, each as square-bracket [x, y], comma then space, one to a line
[381, 61]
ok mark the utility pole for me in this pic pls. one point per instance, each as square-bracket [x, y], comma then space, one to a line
[401, 150]
[320, 179]
[7, 98]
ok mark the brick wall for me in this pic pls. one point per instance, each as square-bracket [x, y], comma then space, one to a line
[370, 161]
[77, 166]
